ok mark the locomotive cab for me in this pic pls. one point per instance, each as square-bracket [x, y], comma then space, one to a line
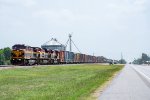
[17, 57]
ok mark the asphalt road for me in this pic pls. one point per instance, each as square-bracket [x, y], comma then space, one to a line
[133, 83]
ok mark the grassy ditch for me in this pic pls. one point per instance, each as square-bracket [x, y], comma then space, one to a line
[54, 82]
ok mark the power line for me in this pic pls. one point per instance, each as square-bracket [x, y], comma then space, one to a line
[66, 43]
[71, 41]
[76, 46]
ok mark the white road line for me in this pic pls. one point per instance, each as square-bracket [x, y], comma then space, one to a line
[129, 85]
[142, 73]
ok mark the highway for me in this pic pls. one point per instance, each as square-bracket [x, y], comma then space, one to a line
[132, 83]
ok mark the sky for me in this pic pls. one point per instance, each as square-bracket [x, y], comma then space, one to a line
[100, 27]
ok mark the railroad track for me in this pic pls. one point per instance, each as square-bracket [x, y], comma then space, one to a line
[6, 65]
[12, 66]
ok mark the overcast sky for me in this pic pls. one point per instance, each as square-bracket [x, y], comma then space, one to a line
[102, 27]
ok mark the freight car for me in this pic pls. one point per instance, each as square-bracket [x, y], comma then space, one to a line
[27, 55]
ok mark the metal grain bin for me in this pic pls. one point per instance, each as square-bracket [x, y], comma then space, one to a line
[53, 44]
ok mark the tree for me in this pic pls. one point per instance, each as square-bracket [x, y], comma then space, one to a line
[145, 58]
[7, 53]
[137, 61]
[2, 59]
[122, 61]
[142, 60]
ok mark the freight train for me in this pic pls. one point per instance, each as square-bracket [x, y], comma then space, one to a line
[27, 55]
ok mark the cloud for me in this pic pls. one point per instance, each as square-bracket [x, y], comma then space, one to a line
[25, 3]
[140, 2]
[29, 3]
[128, 7]
[61, 15]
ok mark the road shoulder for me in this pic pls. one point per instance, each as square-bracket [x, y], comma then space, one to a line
[95, 95]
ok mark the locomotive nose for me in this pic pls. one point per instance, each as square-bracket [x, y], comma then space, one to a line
[17, 57]
[17, 53]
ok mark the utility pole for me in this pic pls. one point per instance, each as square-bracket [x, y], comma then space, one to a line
[121, 58]
[70, 42]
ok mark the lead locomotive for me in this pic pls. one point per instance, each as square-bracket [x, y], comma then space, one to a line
[27, 55]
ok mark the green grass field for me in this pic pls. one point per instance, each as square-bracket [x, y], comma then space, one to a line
[71, 82]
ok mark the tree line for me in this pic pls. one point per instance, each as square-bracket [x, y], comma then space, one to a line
[5, 56]
[144, 59]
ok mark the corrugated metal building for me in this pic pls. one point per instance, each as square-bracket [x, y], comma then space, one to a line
[53, 44]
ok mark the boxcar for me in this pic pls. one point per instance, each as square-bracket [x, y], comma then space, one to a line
[62, 57]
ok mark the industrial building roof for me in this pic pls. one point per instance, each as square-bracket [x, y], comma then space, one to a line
[53, 41]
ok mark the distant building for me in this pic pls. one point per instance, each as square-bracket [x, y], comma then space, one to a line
[53, 44]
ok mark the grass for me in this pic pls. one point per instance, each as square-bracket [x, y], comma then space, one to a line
[54, 82]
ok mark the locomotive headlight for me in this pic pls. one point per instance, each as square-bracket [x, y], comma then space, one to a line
[19, 59]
